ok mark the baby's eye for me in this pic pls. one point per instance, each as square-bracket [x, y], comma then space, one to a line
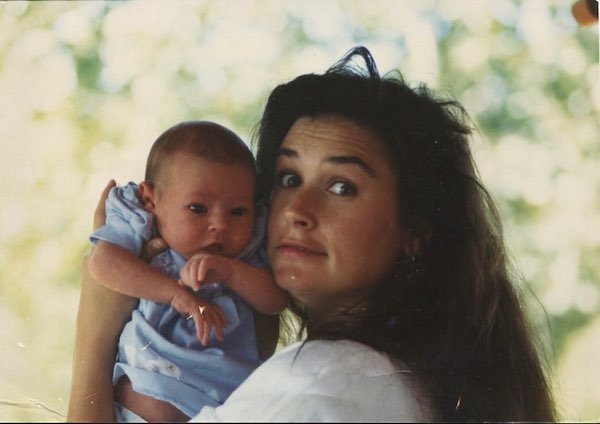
[198, 208]
[287, 179]
[342, 188]
[241, 211]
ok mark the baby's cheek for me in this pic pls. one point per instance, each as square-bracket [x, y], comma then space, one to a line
[246, 234]
[239, 244]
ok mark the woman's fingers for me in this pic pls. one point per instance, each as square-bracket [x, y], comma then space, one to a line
[100, 213]
[153, 248]
[221, 322]
[217, 321]
[201, 332]
[202, 325]
[206, 319]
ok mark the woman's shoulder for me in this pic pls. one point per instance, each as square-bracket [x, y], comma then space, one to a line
[332, 355]
[325, 380]
[335, 347]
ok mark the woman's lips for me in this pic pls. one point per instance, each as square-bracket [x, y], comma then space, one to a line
[298, 249]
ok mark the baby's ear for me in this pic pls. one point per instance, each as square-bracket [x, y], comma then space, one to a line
[147, 195]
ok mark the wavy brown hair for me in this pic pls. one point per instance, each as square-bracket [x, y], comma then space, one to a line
[452, 313]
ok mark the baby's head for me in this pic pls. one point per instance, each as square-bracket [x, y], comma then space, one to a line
[199, 184]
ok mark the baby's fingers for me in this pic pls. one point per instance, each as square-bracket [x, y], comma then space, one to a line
[188, 274]
[202, 271]
[184, 275]
[153, 248]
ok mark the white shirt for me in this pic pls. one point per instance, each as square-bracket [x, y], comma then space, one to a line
[326, 381]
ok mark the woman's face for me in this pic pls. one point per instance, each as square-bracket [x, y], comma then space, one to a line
[334, 226]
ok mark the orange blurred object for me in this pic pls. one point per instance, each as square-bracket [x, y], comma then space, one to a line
[585, 12]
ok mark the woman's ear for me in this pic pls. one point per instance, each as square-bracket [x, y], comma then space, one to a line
[147, 196]
[418, 237]
[413, 245]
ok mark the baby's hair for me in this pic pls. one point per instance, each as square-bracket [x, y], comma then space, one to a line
[202, 139]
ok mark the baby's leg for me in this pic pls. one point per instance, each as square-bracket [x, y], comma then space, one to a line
[124, 415]
[146, 407]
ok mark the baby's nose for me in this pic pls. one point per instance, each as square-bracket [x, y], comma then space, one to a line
[217, 222]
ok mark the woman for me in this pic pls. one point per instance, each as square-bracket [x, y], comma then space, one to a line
[392, 252]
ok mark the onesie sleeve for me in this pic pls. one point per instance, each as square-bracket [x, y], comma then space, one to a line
[128, 224]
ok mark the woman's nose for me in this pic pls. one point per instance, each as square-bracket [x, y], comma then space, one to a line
[301, 209]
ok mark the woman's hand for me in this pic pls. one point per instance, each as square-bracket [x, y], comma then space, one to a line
[100, 211]
[207, 316]
[150, 249]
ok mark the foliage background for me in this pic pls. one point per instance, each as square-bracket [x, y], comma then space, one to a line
[85, 87]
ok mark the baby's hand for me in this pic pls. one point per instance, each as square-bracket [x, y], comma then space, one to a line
[206, 316]
[203, 268]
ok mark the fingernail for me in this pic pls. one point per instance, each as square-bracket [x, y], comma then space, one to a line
[157, 244]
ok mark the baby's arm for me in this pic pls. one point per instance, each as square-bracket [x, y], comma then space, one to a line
[253, 283]
[122, 271]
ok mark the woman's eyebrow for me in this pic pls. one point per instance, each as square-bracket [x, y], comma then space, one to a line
[341, 160]
[352, 160]
[284, 151]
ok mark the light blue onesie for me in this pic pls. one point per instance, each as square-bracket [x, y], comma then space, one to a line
[158, 348]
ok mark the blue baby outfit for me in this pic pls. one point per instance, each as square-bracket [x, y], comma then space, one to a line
[158, 348]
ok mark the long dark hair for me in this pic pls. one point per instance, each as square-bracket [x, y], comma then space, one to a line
[452, 312]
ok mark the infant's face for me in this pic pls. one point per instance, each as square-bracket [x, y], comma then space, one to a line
[205, 206]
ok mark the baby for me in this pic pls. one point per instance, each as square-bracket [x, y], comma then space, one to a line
[191, 340]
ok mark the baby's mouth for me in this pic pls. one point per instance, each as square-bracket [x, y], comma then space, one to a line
[214, 248]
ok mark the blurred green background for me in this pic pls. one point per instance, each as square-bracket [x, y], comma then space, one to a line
[86, 87]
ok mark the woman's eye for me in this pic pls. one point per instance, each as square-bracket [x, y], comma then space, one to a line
[198, 208]
[289, 180]
[342, 188]
[241, 211]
